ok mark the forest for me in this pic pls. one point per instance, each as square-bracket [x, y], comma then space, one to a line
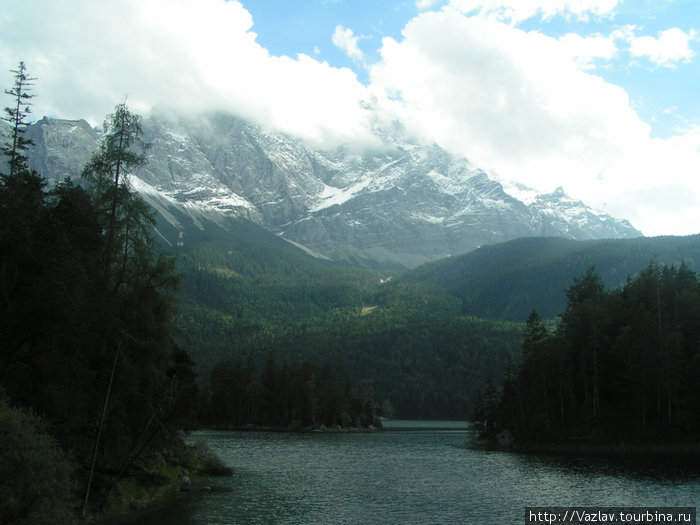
[99, 322]
[507, 280]
[410, 342]
[286, 396]
[621, 366]
[94, 389]
[114, 343]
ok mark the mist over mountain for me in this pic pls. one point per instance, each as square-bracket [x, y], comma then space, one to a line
[401, 206]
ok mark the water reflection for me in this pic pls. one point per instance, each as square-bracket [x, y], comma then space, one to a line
[652, 468]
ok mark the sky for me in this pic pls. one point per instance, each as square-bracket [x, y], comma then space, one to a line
[600, 97]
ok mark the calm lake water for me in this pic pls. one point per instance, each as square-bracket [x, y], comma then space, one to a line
[420, 475]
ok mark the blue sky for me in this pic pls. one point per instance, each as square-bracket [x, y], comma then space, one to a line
[667, 96]
[601, 97]
[289, 28]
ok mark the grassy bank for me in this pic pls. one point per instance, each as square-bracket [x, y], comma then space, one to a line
[174, 474]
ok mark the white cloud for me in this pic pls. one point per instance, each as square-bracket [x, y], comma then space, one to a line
[586, 50]
[521, 95]
[668, 49]
[517, 11]
[671, 46]
[344, 39]
[519, 105]
[422, 5]
[192, 55]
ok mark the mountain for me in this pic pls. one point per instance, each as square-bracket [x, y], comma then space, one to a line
[399, 205]
[506, 281]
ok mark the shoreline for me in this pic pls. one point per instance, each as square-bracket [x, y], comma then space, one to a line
[290, 430]
[199, 488]
[187, 473]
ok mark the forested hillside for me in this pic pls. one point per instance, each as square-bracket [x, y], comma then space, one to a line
[421, 337]
[409, 343]
[507, 280]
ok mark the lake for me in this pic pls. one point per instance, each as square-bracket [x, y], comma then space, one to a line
[414, 473]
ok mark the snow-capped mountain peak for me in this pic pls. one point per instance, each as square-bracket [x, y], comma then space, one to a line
[405, 205]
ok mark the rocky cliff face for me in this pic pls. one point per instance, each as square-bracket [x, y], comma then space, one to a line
[404, 204]
[61, 148]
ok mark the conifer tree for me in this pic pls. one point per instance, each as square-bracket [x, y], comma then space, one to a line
[122, 150]
[21, 207]
[583, 324]
[137, 353]
[16, 115]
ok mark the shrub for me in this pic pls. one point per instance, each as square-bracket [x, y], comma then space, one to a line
[36, 484]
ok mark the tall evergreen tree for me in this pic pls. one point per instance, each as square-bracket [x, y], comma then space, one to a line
[21, 212]
[121, 151]
[535, 332]
[583, 324]
[17, 115]
[136, 326]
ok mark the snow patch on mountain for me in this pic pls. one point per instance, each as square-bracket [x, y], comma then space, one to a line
[331, 196]
[405, 204]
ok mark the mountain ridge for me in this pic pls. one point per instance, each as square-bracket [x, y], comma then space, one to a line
[402, 206]
[507, 280]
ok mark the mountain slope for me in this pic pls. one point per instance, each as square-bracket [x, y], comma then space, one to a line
[507, 280]
[402, 205]
[248, 295]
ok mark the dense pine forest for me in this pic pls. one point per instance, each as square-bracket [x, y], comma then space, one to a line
[427, 339]
[92, 381]
[408, 341]
[507, 280]
[621, 366]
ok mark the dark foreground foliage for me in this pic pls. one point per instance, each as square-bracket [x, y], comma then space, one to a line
[41, 490]
[86, 321]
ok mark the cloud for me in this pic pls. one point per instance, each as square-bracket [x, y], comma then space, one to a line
[422, 5]
[671, 46]
[667, 50]
[345, 40]
[520, 96]
[586, 50]
[517, 11]
[519, 105]
[188, 55]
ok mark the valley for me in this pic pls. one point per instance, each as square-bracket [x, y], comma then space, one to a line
[410, 267]
[211, 303]
[429, 261]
